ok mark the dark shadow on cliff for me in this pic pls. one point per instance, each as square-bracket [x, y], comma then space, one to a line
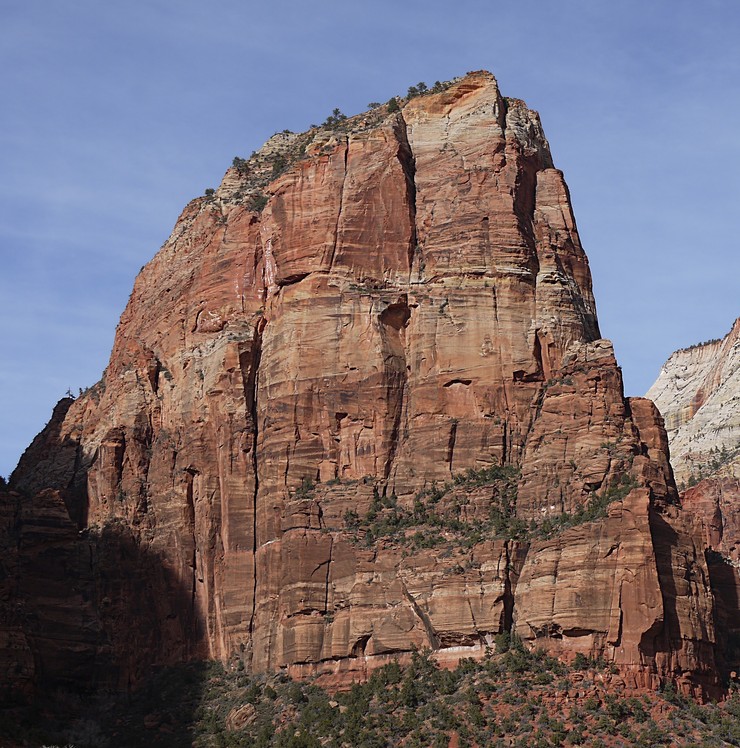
[87, 618]
[51, 461]
[710, 659]
[665, 539]
[725, 582]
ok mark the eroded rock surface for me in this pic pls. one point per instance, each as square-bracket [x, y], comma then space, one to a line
[358, 316]
[698, 393]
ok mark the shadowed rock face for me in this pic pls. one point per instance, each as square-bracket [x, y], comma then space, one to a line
[83, 609]
[412, 302]
[697, 393]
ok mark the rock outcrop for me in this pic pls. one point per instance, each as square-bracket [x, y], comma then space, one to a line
[715, 503]
[358, 404]
[698, 393]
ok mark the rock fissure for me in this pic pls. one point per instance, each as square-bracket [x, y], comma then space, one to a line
[405, 157]
[451, 445]
[340, 209]
[251, 386]
[328, 574]
[432, 635]
[507, 610]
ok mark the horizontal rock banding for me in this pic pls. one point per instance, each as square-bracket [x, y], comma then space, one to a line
[406, 300]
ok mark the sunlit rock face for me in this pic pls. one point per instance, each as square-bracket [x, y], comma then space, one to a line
[698, 393]
[358, 316]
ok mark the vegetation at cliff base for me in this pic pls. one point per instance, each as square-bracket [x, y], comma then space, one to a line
[514, 697]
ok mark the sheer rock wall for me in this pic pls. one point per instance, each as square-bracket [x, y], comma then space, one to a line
[412, 302]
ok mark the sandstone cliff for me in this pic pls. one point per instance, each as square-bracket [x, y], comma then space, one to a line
[698, 393]
[358, 404]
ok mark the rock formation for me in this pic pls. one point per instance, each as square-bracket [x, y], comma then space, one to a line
[698, 393]
[358, 404]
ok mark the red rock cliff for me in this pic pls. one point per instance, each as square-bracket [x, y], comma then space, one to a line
[698, 393]
[308, 354]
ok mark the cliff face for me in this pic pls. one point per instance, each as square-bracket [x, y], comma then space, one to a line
[358, 405]
[697, 393]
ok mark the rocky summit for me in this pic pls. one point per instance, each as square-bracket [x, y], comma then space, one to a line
[358, 405]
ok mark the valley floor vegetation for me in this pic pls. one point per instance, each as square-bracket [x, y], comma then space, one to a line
[511, 698]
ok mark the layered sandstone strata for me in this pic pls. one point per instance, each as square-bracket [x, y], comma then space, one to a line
[407, 300]
[697, 393]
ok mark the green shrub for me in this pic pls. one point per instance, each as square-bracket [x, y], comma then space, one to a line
[257, 202]
[502, 642]
[334, 119]
[305, 490]
[240, 164]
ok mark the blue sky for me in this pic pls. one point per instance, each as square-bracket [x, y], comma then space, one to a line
[115, 115]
